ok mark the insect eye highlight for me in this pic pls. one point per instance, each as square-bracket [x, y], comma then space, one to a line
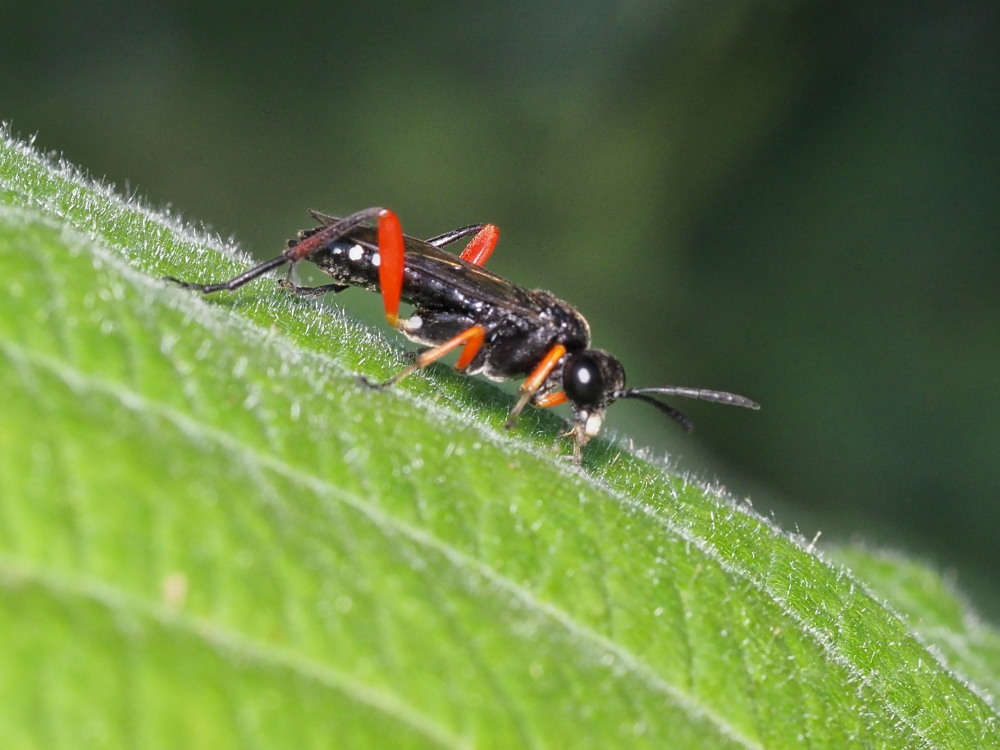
[583, 381]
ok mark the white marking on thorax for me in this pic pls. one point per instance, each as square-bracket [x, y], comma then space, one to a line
[356, 252]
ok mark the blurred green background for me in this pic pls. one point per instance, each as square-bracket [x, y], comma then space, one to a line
[796, 201]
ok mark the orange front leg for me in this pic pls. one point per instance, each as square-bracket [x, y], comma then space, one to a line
[535, 381]
[552, 399]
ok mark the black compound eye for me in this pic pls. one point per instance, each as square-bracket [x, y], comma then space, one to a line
[583, 381]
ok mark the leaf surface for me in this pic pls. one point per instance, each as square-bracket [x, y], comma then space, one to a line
[212, 535]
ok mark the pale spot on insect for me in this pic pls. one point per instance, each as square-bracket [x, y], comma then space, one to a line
[413, 323]
[376, 260]
[593, 425]
[356, 252]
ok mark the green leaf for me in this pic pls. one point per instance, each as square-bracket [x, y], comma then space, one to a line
[212, 536]
[937, 613]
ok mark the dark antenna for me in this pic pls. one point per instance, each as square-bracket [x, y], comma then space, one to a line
[701, 394]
